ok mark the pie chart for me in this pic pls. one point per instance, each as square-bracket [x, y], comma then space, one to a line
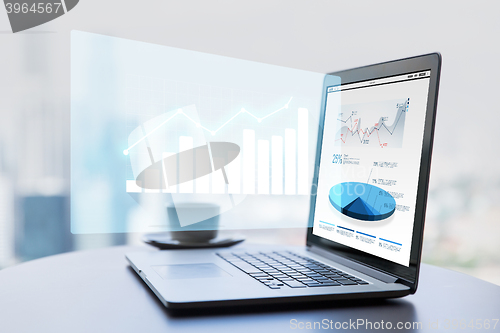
[362, 201]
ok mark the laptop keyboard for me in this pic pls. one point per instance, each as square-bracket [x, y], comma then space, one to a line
[280, 269]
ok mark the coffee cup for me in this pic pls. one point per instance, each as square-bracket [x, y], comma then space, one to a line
[199, 232]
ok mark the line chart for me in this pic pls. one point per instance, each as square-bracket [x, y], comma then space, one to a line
[386, 135]
[213, 132]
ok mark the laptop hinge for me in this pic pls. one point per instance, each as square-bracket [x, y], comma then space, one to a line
[351, 264]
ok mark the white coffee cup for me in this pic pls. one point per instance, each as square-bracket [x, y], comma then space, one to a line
[200, 232]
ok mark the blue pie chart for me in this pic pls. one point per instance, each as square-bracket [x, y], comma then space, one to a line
[362, 201]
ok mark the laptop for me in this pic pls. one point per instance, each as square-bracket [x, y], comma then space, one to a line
[367, 205]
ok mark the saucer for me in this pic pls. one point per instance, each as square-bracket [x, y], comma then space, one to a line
[165, 242]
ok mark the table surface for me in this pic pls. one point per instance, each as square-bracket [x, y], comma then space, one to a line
[96, 291]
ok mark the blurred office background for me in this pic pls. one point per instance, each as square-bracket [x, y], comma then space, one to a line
[463, 216]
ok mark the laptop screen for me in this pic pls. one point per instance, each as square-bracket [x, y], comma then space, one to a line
[370, 161]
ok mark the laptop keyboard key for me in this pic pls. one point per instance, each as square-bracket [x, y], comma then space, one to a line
[314, 275]
[322, 279]
[294, 284]
[321, 271]
[331, 284]
[307, 280]
[286, 279]
[334, 276]
[247, 268]
[277, 276]
[268, 278]
[324, 285]
[346, 282]
[273, 281]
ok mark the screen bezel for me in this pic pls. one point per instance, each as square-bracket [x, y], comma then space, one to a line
[406, 275]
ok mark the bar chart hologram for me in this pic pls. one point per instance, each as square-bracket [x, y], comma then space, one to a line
[273, 135]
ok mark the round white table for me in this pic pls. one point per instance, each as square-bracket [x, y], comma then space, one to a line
[96, 291]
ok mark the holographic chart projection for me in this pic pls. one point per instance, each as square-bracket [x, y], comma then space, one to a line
[154, 127]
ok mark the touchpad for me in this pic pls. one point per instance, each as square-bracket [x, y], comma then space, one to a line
[190, 271]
